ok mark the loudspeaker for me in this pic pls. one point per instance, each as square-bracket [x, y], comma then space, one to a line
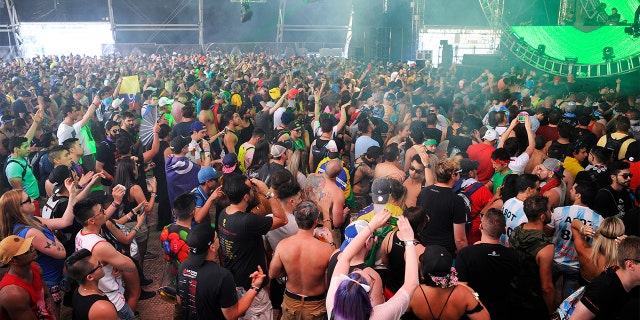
[447, 55]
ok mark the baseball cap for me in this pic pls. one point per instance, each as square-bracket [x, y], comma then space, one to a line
[551, 163]
[164, 101]
[208, 173]
[200, 237]
[57, 177]
[229, 162]
[437, 261]
[352, 231]
[277, 150]
[178, 143]
[380, 190]
[12, 246]
[490, 135]
[197, 126]
[25, 93]
[467, 165]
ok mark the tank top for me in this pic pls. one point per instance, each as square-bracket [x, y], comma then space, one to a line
[394, 280]
[36, 293]
[51, 267]
[109, 284]
[82, 304]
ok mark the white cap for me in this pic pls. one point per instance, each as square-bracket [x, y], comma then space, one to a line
[331, 146]
[490, 135]
[164, 101]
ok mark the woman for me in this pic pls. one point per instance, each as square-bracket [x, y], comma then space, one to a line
[295, 167]
[127, 175]
[603, 253]
[400, 138]
[439, 295]
[392, 251]
[260, 157]
[348, 295]
[16, 212]
[417, 114]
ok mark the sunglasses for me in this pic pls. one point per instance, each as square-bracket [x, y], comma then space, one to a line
[26, 201]
[416, 170]
[626, 175]
[94, 269]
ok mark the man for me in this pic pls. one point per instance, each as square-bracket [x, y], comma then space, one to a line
[446, 209]
[500, 162]
[318, 146]
[208, 191]
[205, 289]
[107, 154]
[92, 216]
[230, 120]
[488, 267]
[534, 291]
[551, 184]
[304, 296]
[364, 142]
[73, 123]
[573, 162]
[289, 195]
[240, 235]
[198, 132]
[518, 162]
[75, 154]
[280, 154]
[565, 258]
[22, 105]
[23, 293]
[615, 199]
[389, 168]
[477, 193]
[481, 152]
[322, 189]
[363, 175]
[527, 185]
[247, 149]
[619, 141]
[608, 296]
[182, 173]
[88, 301]
[415, 182]
[17, 169]
[127, 127]
[335, 150]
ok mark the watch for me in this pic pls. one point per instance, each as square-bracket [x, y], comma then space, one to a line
[410, 243]
[257, 289]
[269, 195]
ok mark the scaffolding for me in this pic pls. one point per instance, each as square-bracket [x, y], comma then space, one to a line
[12, 30]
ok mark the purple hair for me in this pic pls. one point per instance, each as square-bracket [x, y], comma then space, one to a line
[351, 301]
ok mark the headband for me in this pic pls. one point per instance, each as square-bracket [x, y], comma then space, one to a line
[366, 287]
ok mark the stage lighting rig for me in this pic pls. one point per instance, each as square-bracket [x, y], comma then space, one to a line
[607, 54]
[245, 12]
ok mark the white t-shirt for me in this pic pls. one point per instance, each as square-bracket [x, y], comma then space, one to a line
[518, 163]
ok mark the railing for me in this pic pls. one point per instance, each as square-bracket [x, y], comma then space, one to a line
[274, 48]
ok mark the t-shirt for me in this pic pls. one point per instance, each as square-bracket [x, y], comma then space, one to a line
[394, 308]
[476, 262]
[276, 235]
[201, 199]
[497, 180]
[277, 117]
[549, 133]
[186, 286]
[65, 131]
[445, 208]
[572, 165]
[266, 171]
[518, 163]
[561, 218]
[29, 183]
[363, 143]
[106, 153]
[19, 107]
[481, 152]
[216, 290]
[513, 210]
[241, 244]
[607, 299]
[609, 202]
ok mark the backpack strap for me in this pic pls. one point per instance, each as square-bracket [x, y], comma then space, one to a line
[24, 168]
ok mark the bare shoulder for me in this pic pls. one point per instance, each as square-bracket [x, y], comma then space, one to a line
[13, 295]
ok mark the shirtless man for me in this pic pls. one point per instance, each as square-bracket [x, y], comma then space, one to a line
[415, 182]
[363, 175]
[306, 284]
[390, 168]
[322, 189]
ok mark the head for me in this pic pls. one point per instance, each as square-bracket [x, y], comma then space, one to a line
[604, 241]
[416, 168]
[583, 191]
[16, 207]
[548, 169]
[500, 159]
[333, 169]
[89, 212]
[536, 208]
[447, 171]
[436, 267]
[240, 190]
[620, 174]
[71, 112]
[17, 252]
[128, 121]
[623, 124]
[417, 217]
[83, 267]
[528, 184]
[112, 129]
[629, 253]
[352, 301]
[184, 206]
[599, 155]
[126, 173]
[391, 153]
[493, 223]
[198, 131]
[306, 214]
[74, 146]
[59, 155]
[578, 151]
[19, 146]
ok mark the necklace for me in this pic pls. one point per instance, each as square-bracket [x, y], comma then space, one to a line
[98, 291]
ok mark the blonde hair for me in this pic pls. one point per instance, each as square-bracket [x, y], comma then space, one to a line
[294, 163]
[10, 213]
[445, 169]
[604, 241]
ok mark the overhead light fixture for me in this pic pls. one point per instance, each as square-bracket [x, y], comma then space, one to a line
[607, 54]
[246, 12]
[571, 60]
[541, 49]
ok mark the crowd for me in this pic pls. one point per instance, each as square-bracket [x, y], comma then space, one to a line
[315, 188]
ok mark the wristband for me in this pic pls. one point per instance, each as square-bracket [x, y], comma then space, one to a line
[116, 205]
[153, 194]
[410, 243]
[136, 229]
[257, 289]
[581, 229]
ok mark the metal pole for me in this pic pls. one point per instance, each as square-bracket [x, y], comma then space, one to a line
[111, 19]
[201, 24]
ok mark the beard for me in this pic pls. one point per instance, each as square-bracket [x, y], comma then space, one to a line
[253, 202]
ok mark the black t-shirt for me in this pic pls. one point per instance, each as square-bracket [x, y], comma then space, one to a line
[106, 153]
[241, 244]
[216, 290]
[444, 208]
[181, 129]
[267, 170]
[606, 298]
[19, 107]
[186, 285]
[585, 136]
[609, 202]
[489, 269]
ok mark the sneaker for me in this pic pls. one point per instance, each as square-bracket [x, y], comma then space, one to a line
[150, 256]
[145, 282]
[144, 295]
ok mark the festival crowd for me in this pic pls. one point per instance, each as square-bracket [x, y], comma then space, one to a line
[315, 188]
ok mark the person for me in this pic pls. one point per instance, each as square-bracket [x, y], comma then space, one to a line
[247, 149]
[348, 294]
[322, 189]
[19, 107]
[181, 172]
[596, 172]
[389, 168]
[240, 235]
[573, 162]
[513, 208]
[517, 162]
[22, 291]
[446, 209]
[615, 199]
[206, 193]
[500, 161]
[565, 258]
[551, 184]
[481, 152]
[73, 125]
[534, 294]
[364, 142]
[92, 216]
[477, 193]
[415, 182]
[106, 153]
[304, 296]
[232, 123]
[602, 252]
[184, 127]
[362, 175]
[619, 141]
[88, 301]
[489, 267]
[280, 153]
[611, 295]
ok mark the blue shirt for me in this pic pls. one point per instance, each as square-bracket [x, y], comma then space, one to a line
[561, 218]
[363, 143]
[513, 210]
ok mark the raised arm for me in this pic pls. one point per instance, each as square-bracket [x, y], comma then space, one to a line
[378, 220]
[279, 217]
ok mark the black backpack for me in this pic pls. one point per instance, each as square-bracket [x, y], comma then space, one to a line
[34, 163]
[318, 152]
[5, 181]
[614, 145]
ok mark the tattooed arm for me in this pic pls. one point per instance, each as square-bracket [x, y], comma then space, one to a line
[43, 245]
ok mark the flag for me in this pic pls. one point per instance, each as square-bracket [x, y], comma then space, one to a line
[130, 85]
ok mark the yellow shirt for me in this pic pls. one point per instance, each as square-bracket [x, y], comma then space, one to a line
[392, 208]
[572, 165]
[623, 148]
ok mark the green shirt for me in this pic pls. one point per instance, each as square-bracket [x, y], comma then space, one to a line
[497, 180]
[29, 183]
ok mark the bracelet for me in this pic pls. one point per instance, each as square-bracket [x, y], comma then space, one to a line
[153, 194]
[130, 217]
[581, 229]
[136, 229]
[257, 289]
[117, 205]
[410, 243]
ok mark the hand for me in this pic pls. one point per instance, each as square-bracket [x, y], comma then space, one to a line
[380, 219]
[405, 232]
[156, 127]
[527, 122]
[514, 122]
[217, 193]
[95, 178]
[257, 277]
[262, 188]
[71, 187]
[84, 180]
[117, 194]
[96, 100]
[154, 183]
[39, 116]
[140, 218]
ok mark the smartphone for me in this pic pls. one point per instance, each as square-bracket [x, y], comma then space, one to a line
[522, 116]
[140, 211]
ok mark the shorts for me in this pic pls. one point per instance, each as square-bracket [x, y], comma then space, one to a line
[295, 307]
[260, 308]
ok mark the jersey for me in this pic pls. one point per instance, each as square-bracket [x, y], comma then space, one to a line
[565, 250]
[34, 289]
[513, 210]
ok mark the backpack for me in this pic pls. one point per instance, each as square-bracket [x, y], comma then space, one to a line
[174, 244]
[466, 197]
[615, 144]
[318, 152]
[34, 163]
[5, 179]
[67, 235]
